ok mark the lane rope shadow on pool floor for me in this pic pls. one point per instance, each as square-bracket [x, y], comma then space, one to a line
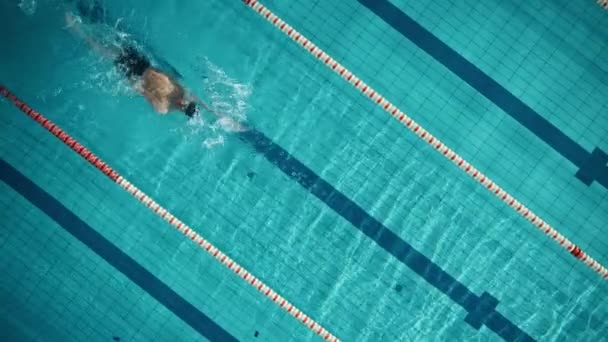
[592, 166]
[481, 309]
[118, 259]
[483, 180]
[175, 222]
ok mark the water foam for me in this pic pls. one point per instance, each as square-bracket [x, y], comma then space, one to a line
[227, 99]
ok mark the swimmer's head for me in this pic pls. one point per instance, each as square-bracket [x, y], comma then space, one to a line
[189, 108]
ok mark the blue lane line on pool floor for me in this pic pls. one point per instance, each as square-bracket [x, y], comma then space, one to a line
[592, 166]
[112, 254]
[481, 309]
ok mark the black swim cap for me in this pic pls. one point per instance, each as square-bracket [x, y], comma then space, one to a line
[191, 109]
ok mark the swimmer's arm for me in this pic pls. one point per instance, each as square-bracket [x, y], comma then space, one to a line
[161, 106]
[224, 121]
[74, 23]
[204, 105]
[137, 85]
[199, 101]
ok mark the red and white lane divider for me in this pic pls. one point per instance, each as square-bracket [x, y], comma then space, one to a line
[167, 216]
[603, 3]
[426, 136]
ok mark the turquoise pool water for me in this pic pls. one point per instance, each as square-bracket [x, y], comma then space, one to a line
[302, 244]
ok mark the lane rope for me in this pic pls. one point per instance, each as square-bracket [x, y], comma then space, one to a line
[167, 216]
[422, 133]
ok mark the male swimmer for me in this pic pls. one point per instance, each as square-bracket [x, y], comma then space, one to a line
[158, 87]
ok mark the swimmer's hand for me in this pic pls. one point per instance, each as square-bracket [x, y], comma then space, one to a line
[225, 122]
[72, 21]
[229, 125]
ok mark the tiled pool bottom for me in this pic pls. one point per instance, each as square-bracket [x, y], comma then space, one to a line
[477, 312]
[344, 312]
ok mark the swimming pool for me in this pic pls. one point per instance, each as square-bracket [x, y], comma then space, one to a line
[283, 200]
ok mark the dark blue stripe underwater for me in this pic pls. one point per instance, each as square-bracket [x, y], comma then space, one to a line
[481, 309]
[113, 255]
[592, 166]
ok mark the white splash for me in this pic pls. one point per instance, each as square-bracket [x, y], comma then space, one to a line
[228, 96]
[227, 99]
